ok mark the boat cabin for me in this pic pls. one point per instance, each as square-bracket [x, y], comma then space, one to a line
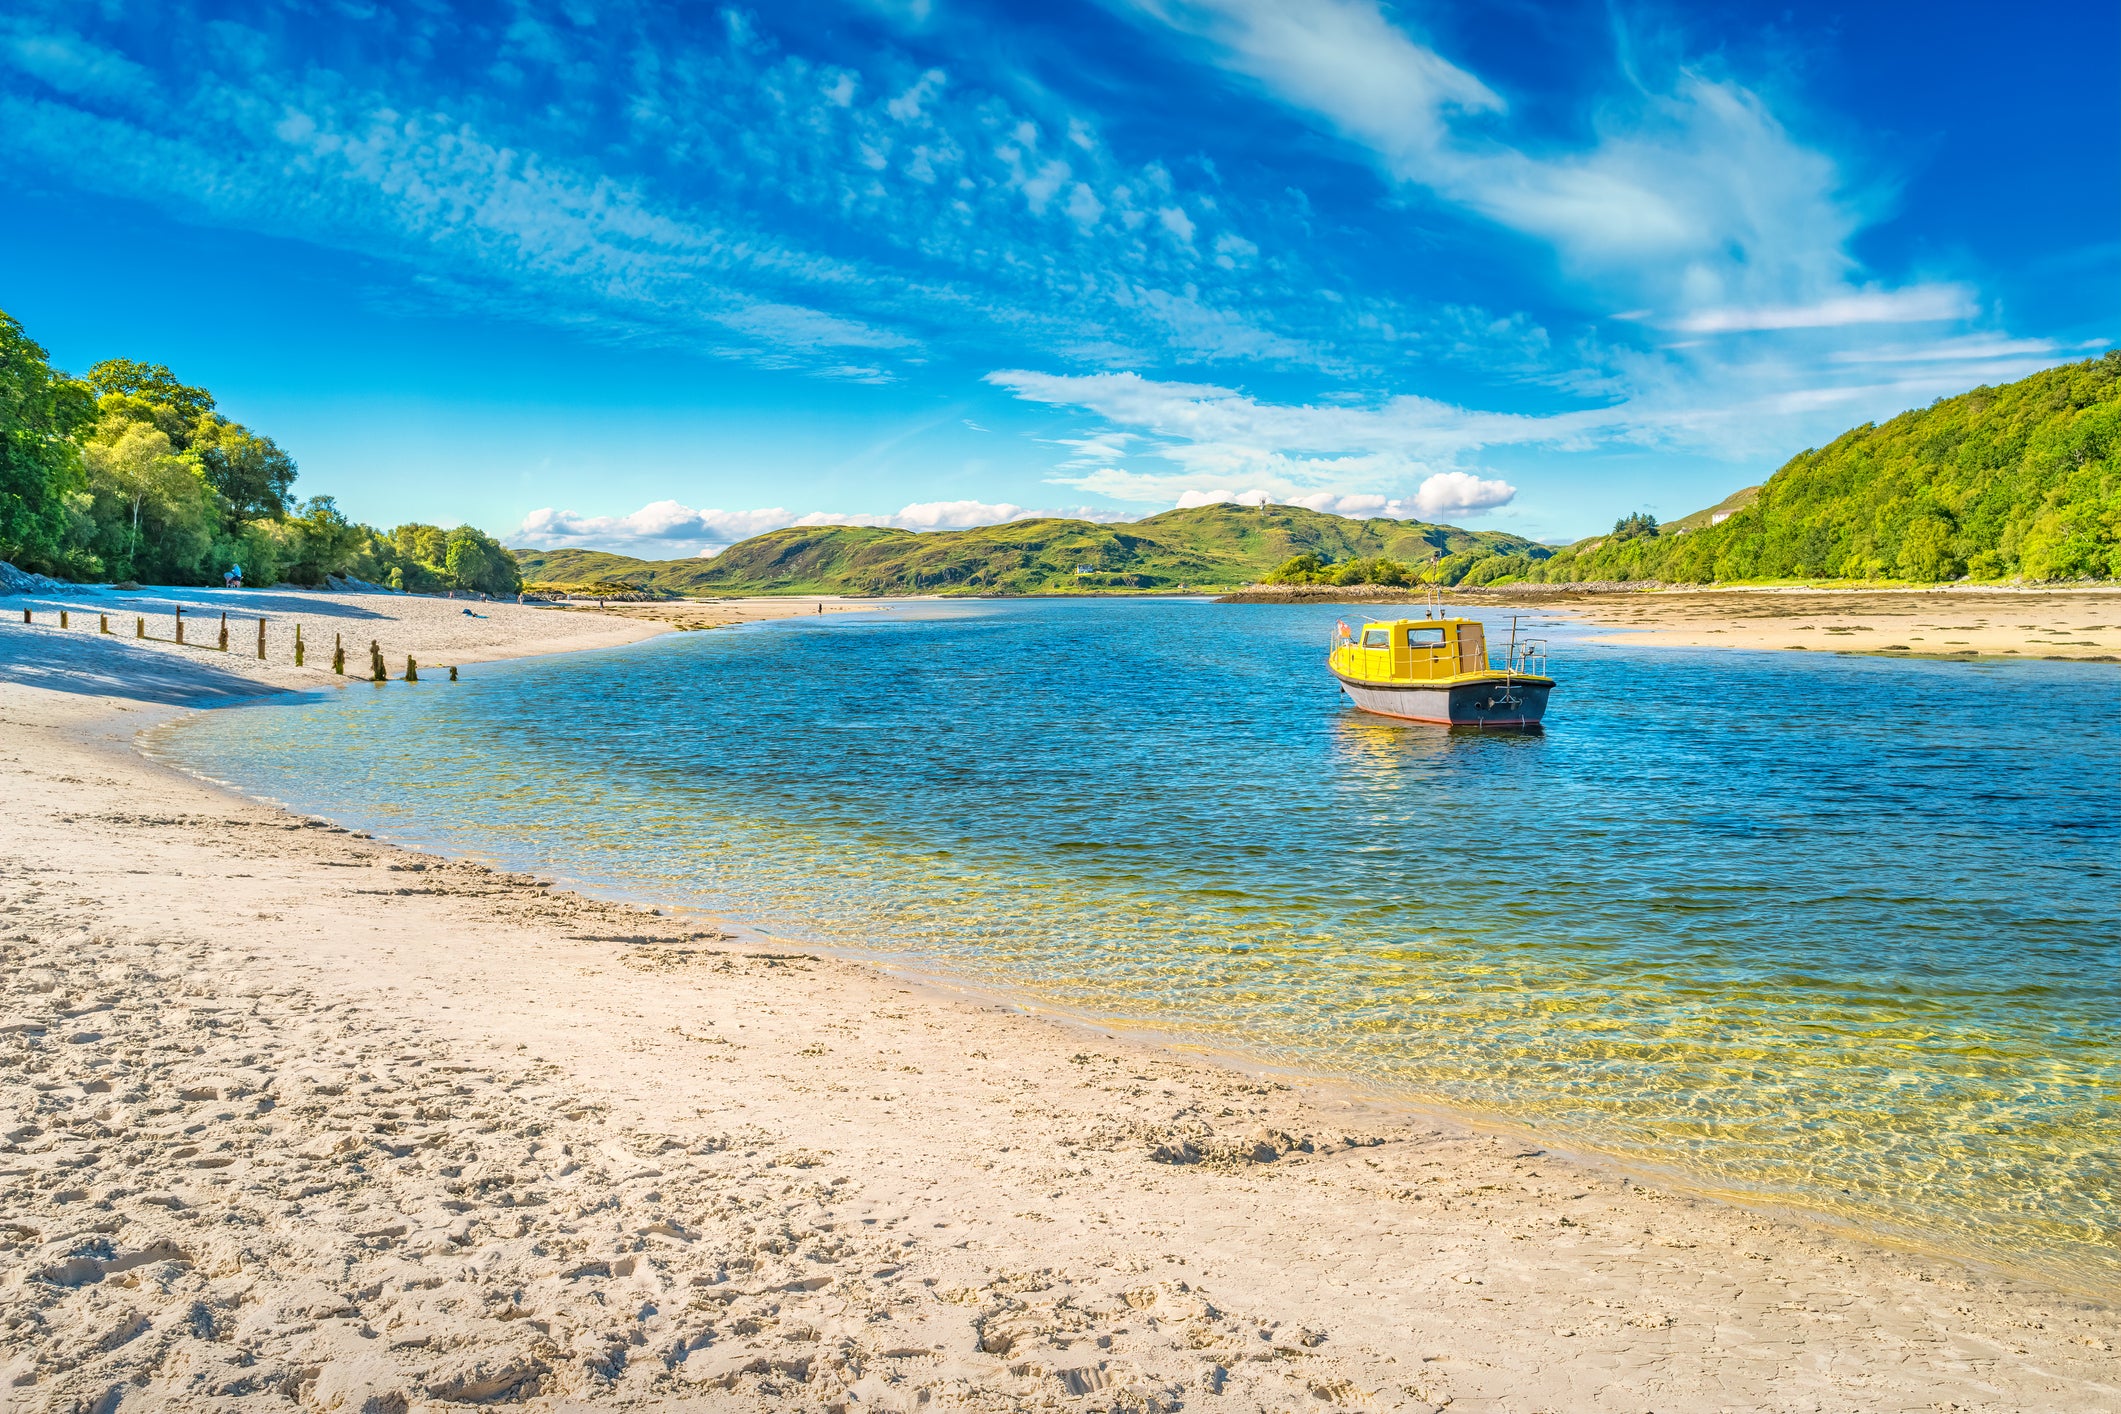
[1413, 650]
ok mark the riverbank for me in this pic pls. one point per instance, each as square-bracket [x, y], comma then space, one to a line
[1957, 621]
[298, 1114]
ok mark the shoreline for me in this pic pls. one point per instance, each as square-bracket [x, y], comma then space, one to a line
[1509, 1279]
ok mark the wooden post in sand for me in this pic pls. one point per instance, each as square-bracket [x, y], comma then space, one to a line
[298, 644]
[25, 616]
[376, 672]
[64, 622]
[261, 638]
[139, 627]
[180, 623]
[412, 669]
[224, 630]
[103, 623]
[338, 655]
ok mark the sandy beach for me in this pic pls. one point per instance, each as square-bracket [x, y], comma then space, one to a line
[294, 1118]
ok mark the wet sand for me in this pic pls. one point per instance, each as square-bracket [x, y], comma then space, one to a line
[294, 1118]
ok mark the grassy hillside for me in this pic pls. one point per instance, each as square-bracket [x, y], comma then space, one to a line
[581, 567]
[1203, 547]
[2021, 480]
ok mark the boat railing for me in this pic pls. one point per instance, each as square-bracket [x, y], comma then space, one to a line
[1527, 656]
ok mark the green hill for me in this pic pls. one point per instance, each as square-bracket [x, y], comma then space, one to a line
[1220, 546]
[2018, 481]
[585, 567]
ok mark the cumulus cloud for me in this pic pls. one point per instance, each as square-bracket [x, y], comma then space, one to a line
[669, 529]
[1444, 495]
[661, 527]
[1194, 442]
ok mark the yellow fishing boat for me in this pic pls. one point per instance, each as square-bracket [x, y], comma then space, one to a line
[1437, 670]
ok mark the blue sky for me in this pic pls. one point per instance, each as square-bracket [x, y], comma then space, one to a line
[655, 277]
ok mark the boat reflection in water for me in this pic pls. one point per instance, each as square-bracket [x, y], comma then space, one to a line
[1436, 669]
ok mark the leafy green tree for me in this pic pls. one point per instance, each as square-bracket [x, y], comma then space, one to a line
[151, 383]
[152, 514]
[41, 411]
[2022, 480]
[427, 544]
[1299, 569]
[325, 542]
[477, 561]
[1634, 526]
[251, 472]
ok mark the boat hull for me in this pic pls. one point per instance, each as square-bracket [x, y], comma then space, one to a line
[1486, 702]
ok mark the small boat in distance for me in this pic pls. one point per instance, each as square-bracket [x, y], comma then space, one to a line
[1436, 669]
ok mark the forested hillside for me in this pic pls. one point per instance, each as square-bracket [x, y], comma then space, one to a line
[128, 474]
[1998, 483]
[1218, 546]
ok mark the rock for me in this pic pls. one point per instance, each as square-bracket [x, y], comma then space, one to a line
[14, 581]
[347, 584]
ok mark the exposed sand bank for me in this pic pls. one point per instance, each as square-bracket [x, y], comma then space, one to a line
[2064, 624]
[292, 1115]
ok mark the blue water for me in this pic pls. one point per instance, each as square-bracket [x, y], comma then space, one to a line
[1835, 933]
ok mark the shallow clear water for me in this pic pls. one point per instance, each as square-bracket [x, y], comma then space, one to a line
[1837, 933]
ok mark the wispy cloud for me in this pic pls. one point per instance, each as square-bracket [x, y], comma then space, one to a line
[696, 187]
[1916, 304]
[1693, 193]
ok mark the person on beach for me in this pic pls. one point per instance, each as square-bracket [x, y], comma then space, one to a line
[234, 578]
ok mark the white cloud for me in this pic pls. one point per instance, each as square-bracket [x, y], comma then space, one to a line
[907, 106]
[1915, 304]
[1193, 441]
[1446, 495]
[797, 327]
[659, 527]
[1205, 415]
[656, 233]
[1694, 195]
[1220, 496]
[669, 529]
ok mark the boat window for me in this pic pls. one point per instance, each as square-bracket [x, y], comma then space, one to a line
[1375, 638]
[1425, 638]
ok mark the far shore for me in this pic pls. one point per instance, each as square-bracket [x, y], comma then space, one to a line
[2067, 623]
[298, 1117]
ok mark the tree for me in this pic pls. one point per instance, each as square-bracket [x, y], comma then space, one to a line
[475, 560]
[1300, 569]
[251, 472]
[1634, 526]
[151, 383]
[429, 544]
[151, 514]
[41, 410]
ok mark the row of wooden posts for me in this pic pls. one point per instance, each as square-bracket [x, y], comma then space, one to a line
[377, 672]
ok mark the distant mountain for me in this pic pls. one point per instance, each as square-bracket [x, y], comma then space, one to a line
[2021, 480]
[1205, 547]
